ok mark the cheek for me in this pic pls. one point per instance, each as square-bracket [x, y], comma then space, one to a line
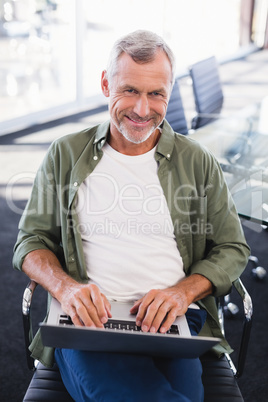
[160, 108]
[120, 103]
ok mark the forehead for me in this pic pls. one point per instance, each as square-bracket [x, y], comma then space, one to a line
[156, 73]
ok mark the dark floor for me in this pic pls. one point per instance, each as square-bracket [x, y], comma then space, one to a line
[245, 81]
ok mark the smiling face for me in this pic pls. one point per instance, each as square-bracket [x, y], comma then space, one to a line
[139, 95]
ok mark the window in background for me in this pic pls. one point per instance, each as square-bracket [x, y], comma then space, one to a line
[106, 21]
[194, 29]
[260, 21]
[52, 52]
[37, 56]
[198, 29]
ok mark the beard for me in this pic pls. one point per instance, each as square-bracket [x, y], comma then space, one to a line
[137, 135]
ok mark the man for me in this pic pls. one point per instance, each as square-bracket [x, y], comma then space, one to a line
[129, 210]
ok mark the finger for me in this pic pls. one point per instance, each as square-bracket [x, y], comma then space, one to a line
[75, 319]
[78, 321]
[155, 314]
[107, 306]
[98, 301]
[158, 317]
[70, 308]
[142, 308]
[135, 306]
[148, 310]
[170, 318]
[88, 315]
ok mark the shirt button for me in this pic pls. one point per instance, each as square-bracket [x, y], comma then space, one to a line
[72, 259]
[95, 157]
[168, 156]
[75, 183]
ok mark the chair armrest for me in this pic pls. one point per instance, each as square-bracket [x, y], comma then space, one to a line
[27, 323]
[248, 314]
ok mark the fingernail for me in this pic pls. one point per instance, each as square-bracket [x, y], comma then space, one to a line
[138, 323]
[104, 320]
[152, 329]
[144, 328]
[163, 330]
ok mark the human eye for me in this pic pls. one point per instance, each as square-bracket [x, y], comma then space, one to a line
[156, 94]
[129, 90]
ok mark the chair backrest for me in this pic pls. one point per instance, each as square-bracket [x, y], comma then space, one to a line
[175, 111]
[207, 90]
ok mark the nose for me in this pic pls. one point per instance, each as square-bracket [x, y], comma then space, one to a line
[141, 106]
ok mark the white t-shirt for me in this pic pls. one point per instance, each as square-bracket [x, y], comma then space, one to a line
[126, 228]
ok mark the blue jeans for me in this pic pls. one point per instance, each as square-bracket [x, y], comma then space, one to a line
[111, 377]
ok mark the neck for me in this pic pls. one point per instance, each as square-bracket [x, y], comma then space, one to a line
[120, 144]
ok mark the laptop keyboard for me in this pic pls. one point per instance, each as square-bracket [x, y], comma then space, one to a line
[119, 324]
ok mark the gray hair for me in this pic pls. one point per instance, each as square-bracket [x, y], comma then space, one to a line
[142, 47]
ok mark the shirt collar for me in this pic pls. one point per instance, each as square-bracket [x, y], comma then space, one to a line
[166, 142]
[102, 134]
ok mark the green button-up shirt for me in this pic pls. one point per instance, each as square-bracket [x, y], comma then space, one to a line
[206, 226]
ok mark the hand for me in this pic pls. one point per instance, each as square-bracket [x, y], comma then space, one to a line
[86, 305]
[158, 305]
[167, 304]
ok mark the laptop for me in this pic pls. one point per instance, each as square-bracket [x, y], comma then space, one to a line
[121, 335]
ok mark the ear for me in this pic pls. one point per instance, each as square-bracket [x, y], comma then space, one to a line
[105, 84]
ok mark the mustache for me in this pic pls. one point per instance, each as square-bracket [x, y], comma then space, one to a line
[136, 117]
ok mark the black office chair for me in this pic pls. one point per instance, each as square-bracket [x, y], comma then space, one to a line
[175, 111]
[219, 374]
[207, 91]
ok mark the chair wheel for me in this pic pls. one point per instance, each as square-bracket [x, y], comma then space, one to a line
[259, 273]
[231, 309]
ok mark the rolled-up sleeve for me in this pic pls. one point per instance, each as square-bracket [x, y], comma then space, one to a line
[226, 252]
[39, 226]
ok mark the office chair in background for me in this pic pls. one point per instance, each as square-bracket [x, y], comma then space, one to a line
[207, 89]
[175, 111]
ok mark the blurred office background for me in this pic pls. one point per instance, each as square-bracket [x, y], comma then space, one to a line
[52, 51]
